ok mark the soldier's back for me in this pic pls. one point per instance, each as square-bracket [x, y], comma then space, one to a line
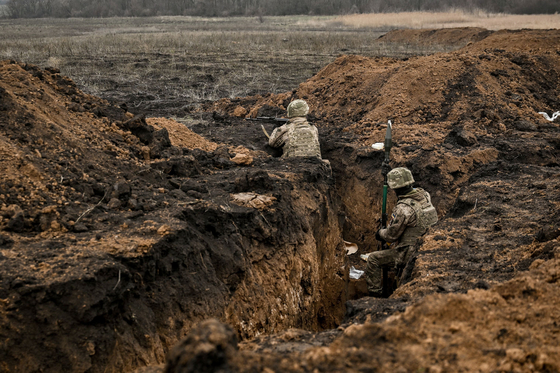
[303, 141]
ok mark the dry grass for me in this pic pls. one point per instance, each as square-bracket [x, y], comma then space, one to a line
[180, 61]
[429, 20]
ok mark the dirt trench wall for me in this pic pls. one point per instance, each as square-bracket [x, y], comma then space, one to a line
[266, 270]
[359, 184]
[296, 277]
[117, 309]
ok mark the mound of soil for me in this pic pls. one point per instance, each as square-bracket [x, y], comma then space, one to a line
[119, 233]
[444, 36]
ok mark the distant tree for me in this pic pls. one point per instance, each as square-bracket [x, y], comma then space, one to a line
[536, 7]
[31, 8]
[220, 8]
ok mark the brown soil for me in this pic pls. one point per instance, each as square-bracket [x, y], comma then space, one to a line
[119, 233]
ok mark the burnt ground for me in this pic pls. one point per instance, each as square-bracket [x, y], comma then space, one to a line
[120, 233]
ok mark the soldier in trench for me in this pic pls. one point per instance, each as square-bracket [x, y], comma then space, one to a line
[297, 137]
[410, 220]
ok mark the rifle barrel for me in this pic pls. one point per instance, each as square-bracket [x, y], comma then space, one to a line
[274, 119]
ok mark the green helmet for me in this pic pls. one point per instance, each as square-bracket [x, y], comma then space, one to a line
[298, 108]
[399, 177]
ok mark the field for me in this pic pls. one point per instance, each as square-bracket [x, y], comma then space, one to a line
[167, 65]
[139, 207]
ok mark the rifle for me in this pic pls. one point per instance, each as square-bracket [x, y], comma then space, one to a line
[385, 167]
[268, 119]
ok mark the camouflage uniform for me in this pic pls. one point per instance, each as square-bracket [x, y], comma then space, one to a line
[411, 218]
[298, 138]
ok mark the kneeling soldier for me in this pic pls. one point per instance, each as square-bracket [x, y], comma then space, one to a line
[411, 218]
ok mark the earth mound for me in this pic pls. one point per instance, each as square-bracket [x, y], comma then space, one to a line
[120, 233]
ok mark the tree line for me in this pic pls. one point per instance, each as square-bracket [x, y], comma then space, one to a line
[224, 8]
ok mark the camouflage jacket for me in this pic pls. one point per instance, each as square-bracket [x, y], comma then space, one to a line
[411, 218]
[298, 139]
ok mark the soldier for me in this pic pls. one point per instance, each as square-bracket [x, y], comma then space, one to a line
[297, 137]
[411, 218]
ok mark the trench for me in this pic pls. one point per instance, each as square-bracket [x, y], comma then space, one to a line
[260, 271]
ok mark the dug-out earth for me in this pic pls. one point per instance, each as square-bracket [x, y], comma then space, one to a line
[137, 244]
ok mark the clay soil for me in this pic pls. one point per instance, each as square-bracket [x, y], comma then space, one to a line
[120, 234]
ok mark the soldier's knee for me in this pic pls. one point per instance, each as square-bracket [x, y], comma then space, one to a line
[373, 259]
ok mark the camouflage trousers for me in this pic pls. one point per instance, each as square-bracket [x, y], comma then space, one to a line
[377, 261]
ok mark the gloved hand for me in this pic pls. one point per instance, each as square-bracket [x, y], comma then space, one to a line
[385, 168]
[377, 236]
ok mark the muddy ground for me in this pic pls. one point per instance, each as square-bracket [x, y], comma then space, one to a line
[120, 233]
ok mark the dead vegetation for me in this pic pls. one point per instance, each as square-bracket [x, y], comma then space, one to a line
[456, 19]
